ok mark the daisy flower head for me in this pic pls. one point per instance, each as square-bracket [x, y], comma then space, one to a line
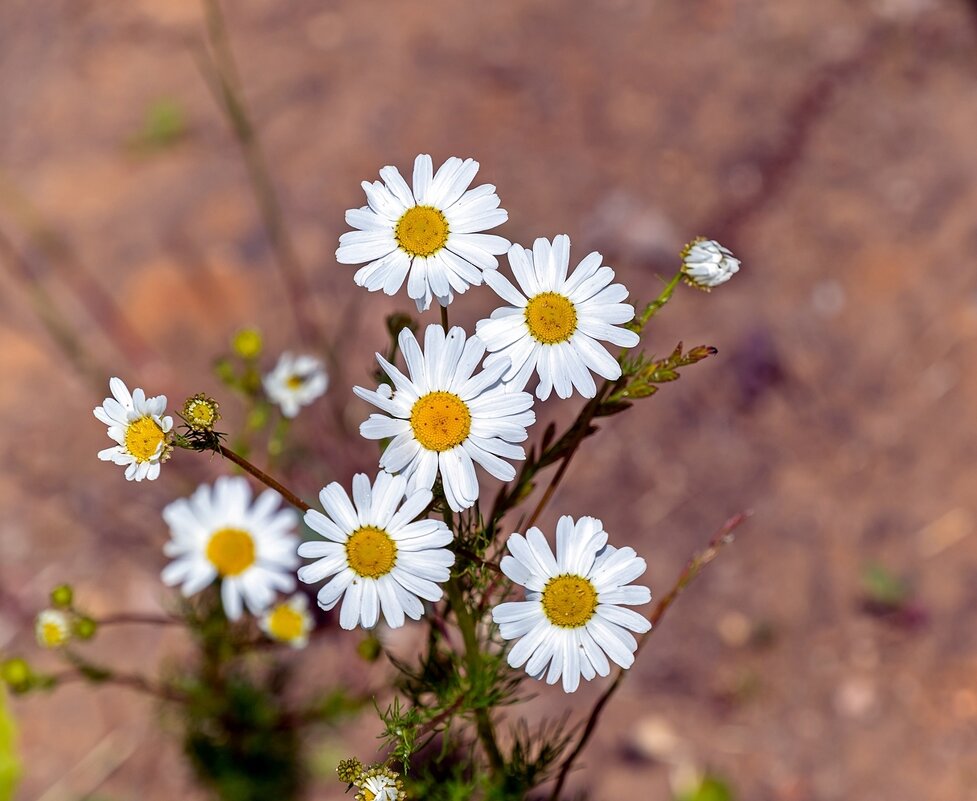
[295, 382]
[379, 783]
[428, 233]
[52, 628]
[572, 619]
[443, 417]
[380, 557]
[218, 533]
[708, 264]
[556, 322]
[289, 621]
[139, 428]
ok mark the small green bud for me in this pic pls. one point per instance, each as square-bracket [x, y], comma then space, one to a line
[368, 649]
[247, 343]
[349, 770]
[16, 674]
[62, 596]
[85, 628]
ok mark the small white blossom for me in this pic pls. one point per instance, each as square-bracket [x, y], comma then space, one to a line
[295, 382]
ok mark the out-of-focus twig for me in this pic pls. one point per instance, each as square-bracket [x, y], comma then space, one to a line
[54, 320]
[99, 303]
[215, 60]
[692, 569]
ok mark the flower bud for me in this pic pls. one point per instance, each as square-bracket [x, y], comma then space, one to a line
[708, 264]
[247, 343]
[62, 596]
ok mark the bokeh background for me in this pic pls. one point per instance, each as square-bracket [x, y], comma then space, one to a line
[831, 653]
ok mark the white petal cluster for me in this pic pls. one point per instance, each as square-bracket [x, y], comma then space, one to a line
[218, 533]
[443, 417]
[572, 619]
[140, 429]
[556, 322]
[295, 382]
[428, 233]
[380, 557]
[708, 264]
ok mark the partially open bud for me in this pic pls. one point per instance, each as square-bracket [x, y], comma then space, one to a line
[708, 264]
[201, 412]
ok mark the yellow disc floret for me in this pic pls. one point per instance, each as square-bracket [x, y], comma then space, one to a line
[143, 438]
[231, 551]
[422, 230]
[295, 382]
[286, 623]
[440, 421]
[551, 318]
[370, 552]
[569, 601]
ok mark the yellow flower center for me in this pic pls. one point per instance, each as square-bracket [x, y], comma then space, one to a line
[440, 420]
[370, 552]
[551, 318]
[285, 623]
[143, 438]
[201, 413]
[422, 230]
[53, 635]
[294, 381]
[231, 551]
[569, 601]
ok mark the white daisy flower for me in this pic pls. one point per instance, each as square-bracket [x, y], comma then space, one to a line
[218, 533]
[379, 783]
[555, 322]
[382, 559]
[289, 621]
[443, 419]
[137, 424]
[430, 232]
[52, 628]
[708, 264]
[571, 619]
[295, 382]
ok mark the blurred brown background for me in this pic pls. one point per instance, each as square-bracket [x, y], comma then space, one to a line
[831, 653]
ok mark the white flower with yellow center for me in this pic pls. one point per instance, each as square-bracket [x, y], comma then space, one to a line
[289, 621]
[295, 382]
[572, 620]
[430, 232]
[380, 557]
[708, 264]
[137, 424]
[442, 419]
[217, 533]
[52, 628]
[379, 783]
[556, 323]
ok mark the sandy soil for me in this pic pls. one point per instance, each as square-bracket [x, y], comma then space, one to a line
[831, 144]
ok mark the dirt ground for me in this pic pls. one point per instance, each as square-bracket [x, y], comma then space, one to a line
[831, 144]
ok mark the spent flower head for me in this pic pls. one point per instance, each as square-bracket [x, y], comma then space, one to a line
[201, 412]
[139, 428]
[707, 264]
[349, 770]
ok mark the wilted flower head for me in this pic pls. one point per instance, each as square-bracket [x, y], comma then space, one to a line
[349, 770]
[201, 412]
[295, 382]
[708, 264]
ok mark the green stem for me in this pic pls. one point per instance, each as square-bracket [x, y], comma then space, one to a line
[263, 477]
[483, 721]
[652, 308]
